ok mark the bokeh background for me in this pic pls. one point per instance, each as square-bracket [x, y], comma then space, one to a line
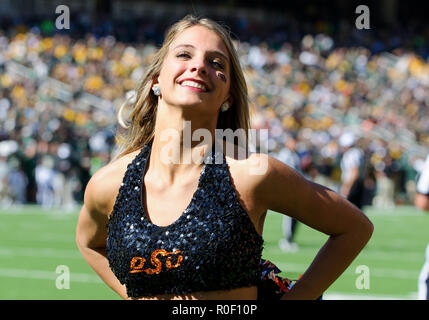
[312, 75]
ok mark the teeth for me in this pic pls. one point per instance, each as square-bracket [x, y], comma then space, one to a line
[194, 84]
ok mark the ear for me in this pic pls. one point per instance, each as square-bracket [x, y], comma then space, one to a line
[230, 100]
[155, 80]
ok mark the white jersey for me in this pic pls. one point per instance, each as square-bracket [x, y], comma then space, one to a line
[352, 158]
[423, 182]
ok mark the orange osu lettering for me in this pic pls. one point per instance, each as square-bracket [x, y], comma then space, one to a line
[156, 262]
[137, 263]
[179, 260]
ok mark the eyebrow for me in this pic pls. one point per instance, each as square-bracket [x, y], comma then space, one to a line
[191, 46]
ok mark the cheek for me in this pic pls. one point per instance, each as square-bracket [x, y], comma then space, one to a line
[222, 77]
[224, 81]
[170, 72]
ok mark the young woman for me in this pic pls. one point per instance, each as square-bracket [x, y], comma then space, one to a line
[155, 225]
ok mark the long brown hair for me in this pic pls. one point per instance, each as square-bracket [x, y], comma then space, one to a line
[141, 122]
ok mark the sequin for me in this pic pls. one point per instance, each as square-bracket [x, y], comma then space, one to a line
[212, 246]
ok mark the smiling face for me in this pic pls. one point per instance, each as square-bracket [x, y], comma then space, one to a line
[196, 70]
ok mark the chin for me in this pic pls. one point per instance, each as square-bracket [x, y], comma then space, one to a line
[190, 103]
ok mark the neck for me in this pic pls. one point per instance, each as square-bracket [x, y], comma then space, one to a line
[175, 149]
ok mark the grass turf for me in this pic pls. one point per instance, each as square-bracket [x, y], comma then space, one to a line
[35, 242]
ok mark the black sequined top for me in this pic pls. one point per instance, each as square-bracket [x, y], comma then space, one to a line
[212, 246]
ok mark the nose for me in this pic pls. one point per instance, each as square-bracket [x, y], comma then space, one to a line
[199, 67]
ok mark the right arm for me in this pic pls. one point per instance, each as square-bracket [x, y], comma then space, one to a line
[91, 232]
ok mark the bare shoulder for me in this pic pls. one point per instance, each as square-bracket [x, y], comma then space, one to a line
[256, 168]
[103, 187]
[251, 166]
[261, 172]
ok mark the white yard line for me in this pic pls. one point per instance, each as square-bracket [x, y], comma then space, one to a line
[47, 275]
[344, 296]
[374, 272]
[50, 238]
[41, 252]
[366, 253]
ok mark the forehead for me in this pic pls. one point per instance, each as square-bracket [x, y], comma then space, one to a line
[202, 38]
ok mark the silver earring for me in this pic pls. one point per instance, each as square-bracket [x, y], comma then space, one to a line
[225, 106]
[156, 89]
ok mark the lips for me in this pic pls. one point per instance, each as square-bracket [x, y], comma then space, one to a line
[194, 83]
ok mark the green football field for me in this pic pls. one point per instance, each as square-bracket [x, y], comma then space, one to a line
[37, 248]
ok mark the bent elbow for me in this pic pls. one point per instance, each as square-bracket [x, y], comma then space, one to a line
[78, 240]
[370, 229]
[81, 240]
[367, 229]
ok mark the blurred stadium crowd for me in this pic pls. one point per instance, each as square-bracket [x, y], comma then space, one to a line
[59, 97]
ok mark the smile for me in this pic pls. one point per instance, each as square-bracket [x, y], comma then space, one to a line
[193, 84]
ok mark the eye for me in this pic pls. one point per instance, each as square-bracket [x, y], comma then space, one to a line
[183, 55]
[218, 64]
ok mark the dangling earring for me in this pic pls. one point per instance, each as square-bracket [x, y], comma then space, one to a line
[225, 106]
[156, 89]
